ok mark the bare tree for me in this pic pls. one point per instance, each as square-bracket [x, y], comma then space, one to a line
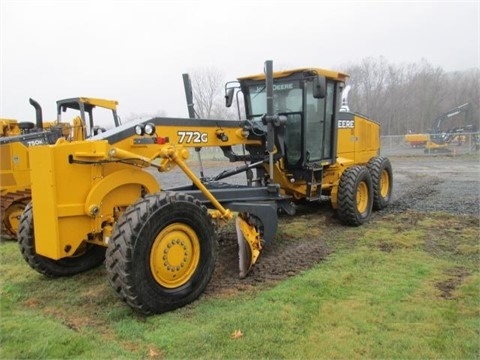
[208, 94]
[427, 87]
[369, 81]
[464, 87]
[409, 97]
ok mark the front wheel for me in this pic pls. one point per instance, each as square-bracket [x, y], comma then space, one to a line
[162, 252]
[355, 198]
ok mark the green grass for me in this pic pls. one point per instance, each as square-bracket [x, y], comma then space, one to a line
[405, 286]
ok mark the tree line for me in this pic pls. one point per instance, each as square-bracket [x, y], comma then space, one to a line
[402, 98]
[409, 97]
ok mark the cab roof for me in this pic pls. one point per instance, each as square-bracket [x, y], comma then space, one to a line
[335, 75]
[89, 103]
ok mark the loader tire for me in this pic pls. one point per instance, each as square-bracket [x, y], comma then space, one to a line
[89, 257]
[382, 181]
[355, 196]
[162, 252]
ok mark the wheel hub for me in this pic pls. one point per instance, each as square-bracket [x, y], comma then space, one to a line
[175, 255]
[362, 197]
[384, 184]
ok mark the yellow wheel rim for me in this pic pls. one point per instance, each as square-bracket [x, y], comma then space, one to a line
[362, 197]
[13, 217]
[384, 184]
[175, 255]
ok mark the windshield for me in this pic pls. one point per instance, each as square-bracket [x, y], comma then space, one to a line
[287, 98]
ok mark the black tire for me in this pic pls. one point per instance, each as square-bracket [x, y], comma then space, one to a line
[162, 252]
[355, 196]
[382, 181]
[90, 256]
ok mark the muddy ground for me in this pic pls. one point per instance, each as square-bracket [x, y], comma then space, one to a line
[420, 184]
[423, 184]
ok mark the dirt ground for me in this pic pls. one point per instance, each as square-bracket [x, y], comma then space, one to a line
[423, 184]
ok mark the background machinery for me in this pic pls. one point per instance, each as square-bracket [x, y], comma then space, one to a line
[160, 245]
[450, 128]
[18, 137]
[417, 140]
[10, 127]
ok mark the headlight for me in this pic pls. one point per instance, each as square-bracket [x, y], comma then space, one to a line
[149, 129]
[139, 129]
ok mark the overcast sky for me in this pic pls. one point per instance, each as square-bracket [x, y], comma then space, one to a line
[136, 51]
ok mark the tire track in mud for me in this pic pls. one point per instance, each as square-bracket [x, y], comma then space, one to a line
[278, 261]
[416, 188]
[285, 257]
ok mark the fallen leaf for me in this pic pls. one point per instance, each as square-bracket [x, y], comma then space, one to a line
[237, 334]
[153, 353]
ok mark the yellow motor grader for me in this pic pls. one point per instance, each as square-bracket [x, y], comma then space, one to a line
[18, 137]
[98, 200]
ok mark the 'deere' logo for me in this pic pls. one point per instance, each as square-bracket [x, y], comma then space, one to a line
[346, 124]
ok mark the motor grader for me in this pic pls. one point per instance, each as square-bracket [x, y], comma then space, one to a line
[18, 137]
[98, 200]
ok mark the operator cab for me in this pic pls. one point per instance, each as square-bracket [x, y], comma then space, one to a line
[106, 109]
[308, 99]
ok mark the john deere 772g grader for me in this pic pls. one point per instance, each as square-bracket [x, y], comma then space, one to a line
[96, 201]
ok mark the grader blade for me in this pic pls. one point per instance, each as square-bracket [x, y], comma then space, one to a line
[249, 246]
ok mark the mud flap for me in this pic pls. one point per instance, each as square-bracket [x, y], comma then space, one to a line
[249, 246]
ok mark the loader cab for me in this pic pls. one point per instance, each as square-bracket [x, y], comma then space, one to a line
[81, 109]
[309, 100]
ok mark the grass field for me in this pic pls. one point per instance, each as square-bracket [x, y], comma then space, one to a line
[404, 286]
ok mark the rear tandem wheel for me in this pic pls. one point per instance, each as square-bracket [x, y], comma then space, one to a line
[162, 252]
[87, 257]
[382, 181]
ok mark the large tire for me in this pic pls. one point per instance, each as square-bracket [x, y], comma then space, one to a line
[382, 181]
[88, 257]
[355, 196]
[162, 252]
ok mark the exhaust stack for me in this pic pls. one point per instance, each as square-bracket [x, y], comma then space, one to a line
[38, 113]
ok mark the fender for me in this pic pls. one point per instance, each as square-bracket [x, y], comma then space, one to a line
[116, 180]
[74, 223]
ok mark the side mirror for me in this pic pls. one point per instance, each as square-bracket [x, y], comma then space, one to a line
[319, 87]
[229, 96]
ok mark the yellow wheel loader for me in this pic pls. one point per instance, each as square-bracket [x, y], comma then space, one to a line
[18, 137]
[99, 199]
